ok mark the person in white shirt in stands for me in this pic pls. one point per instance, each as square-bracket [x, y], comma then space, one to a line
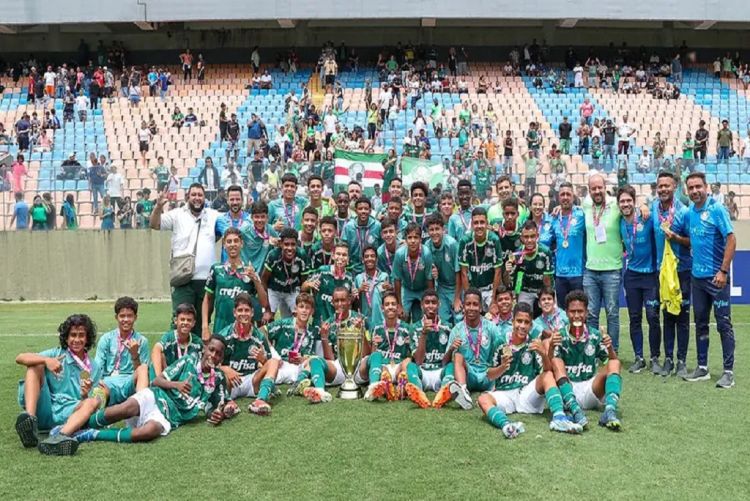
[745, 151]
[230, 175]
[329, 126]
[281, 139]
[644, 162]
[193, 230]
[266, 80]
[49, 83]
[625, 131]
[144, 140]
[113, 185]
[82, 106]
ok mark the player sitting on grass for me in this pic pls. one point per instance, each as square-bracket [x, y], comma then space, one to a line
[501, 309]
[177, 396]
[176, 343]
[56, 380]
[552, 320]
[248, 365]
[577, 351]
[323, 282]
[472, 343]
[123, 354]
[429, 341]
[523, 380]
[385, 359]
[294, 339]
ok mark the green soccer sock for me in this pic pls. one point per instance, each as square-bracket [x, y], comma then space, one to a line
[448, 374]
[120, 435]
[497, 417]
[318, 372]
[555, 402]
[612, 390]
[266, 388]
[374, 366]
[568, 396]
[412, 375]
[98, 420]
[303, 374]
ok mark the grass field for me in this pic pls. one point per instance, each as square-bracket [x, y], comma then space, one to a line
[680, 441]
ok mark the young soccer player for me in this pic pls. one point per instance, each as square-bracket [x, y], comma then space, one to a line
[361, 232]
[225, 281]
[501, 310]
[577, 352]
[445, 271]
[326, 279]
[191, 384]
[56, 380]
[323, 206]
[429, 342]
[553, 318]
[523, 380]
[509, 228]
[386, 357]
[286, 212]
[459, 223]
[479, 258]
[394, 210]
[322, 250]
[387, 249]
[248, 365]
[342, 212]
[308, 236]
[412, 273]
[417, 211]
[529, 268]
[471, 346]
[176, 343]
[371, 284]
[258, 238]
[285, 270]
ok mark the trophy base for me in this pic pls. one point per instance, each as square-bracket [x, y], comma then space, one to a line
[349, 393]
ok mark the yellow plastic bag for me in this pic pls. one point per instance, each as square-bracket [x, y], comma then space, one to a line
[669, 282]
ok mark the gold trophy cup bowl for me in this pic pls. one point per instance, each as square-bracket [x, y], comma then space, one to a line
[349, 340]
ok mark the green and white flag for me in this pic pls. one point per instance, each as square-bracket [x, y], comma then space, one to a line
[427, 171]
[367, 168]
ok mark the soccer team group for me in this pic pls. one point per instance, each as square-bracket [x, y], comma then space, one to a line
[455, 300]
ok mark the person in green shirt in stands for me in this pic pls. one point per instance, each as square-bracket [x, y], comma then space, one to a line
[38, 214]
[161, 173]
[69, 213]
[688, 152]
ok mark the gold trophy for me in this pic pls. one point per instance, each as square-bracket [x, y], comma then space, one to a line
[349, 340]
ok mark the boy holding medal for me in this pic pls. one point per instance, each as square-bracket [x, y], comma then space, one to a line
[386, 357]
[176, 343]
[578, 350]
[523, 381]
[412, 273]
[387, 250]
[552, 320]
[56, 380]
[177, 396]
[370, 284]
[479, 257]
[258, 238]
[445, 270]
[247, 364]
[429, 340]
[360, 232]
[529, 268]
[285, 270]
[326, 279]
[322, 250]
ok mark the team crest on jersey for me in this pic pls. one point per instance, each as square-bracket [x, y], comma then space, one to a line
[572, 221]
[370, 239]
[447, 258]
[589, 350]
[306, 342]
[639, 227]
[517, 243]
[295, 268]
[485, 341]
[526, 358]
[443, 338]
[546, 226]
[400, 340]
[540, 264]
[704, 216]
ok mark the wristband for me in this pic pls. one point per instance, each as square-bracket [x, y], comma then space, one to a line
[724, 271]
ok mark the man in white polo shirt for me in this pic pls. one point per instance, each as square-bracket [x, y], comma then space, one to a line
[188, 223]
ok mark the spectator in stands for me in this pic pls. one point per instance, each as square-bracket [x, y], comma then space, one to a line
[255, 60]
[233, 138]
[51, 121]
[731, 204]
[716, 193]
[587, 111]
[191, 120]
[658, 147]
[20, 213]
[645, 162]
[19, 172]
[109, 83]
[144, 140]
[23, 132]
[134, 95]
[113, 186]
[256, 130]
[165, 80]
[43, 142]
[143, 209]
[230, 175]
[125, 214]
[209, 179]
[584, 136]
[161, 174]
[701, 141]
[688, 152]
[69, 213]
[49, 207]
[107, 215]
[173, 185]
[178, 119]
[724, 141]
[71, 169]
[40, 215]
[97, 176]
[186, 60]
[82, 106]
[330, 70]
[266, 80]
[153, 81]
[220, 204]
[564, 131]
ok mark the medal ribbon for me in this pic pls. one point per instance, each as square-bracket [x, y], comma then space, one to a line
[120, 348]
[297, 343]
[413, 273]
[362, 241]
[631, 240]
[463, 221]
[211, 382]
[263, 235]
[392, 344]
[598, 217]
[670, 214]
[474, 344]
[290, 211]
[552, 321]
[85, 364]
[370, 288]
[565, 230]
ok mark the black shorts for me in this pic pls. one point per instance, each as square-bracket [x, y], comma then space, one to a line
[310, 146]
[144, 146]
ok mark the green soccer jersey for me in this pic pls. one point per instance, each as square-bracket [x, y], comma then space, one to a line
[603, 245]
[531, 270]
[285, 338]
[358, 237]
[555, 322]
[413, 273]
[286, 276]
[162, 174]
[289, 213]
[495, 214]
[224, 284]
[255, 245]
[459, 224]
[208, 391]
[173, 350]
[320, 257]
[478, 344]
[237, 353]
[524, 366]
[114, 358]
[370, 302]
[324, 295]
[480, 259]
[510, 240]
[307, 248]
[445, 258]
[336, 325]
[581, 358]
[436, 344]
[411, 217]
[395, 345]
[385, 259]
[483, 178]
[65, 387]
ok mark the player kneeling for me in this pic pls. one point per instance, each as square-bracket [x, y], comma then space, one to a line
[576, 352]
[523, 380]
[177, 396]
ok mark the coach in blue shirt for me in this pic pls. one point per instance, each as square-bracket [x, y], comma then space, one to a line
[713, 243]
[568, 237]
[670, 223]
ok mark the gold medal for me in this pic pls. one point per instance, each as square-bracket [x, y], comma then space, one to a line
[565, 244]
[85, 375]
[665, 226]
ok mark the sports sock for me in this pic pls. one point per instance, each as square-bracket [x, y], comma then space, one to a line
[612, 389]
[412, 375]
[266, 388]
[98, 420]
[555, 402]
[568, 396]
[318, 372]
[447, 374]
[303, 374]
[497, 417]
[121, 435]
[374, 366]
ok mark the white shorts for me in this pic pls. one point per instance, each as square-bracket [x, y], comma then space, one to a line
[284, 301]
[338, 380]
[585, 396]
[431, 380]
[392, 370]
[521, 400]
[148, 412]
[245, 389]
[287, 373]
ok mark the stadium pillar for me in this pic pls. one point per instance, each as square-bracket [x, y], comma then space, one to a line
[549, 27]
[667, 35]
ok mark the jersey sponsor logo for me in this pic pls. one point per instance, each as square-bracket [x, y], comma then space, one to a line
[243, 366]
[589, 350]
[514, 378]
[231, 293]
[447, 258]
[526, 358]
[326, 298]
[482, 268]
[580, 369]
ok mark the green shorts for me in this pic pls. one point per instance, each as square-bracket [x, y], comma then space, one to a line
[476, 379]
[48, 414]
[121, 387]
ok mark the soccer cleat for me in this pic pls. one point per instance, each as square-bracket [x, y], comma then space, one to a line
[655, 366]
[259, 407]
[55, 431]
[579, 418]
[637, 366]
[26, 427]
[667, 368]
[442, 397]
[231, 410]
[681, 369]
[726, 380]
[699, 374]
[59, 445]
[400, 387]
[461, 395]
[512, 430]
[387, 382]
[317, 395]
[376, 391]
[609, 420]
[298, 388]
[417, 396]
[564, 424]
[86, 435]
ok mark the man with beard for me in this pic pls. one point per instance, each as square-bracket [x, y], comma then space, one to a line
[496, 213]
[459, 223]
[234, 218]
[568, 239]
